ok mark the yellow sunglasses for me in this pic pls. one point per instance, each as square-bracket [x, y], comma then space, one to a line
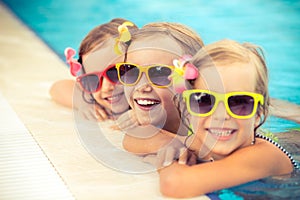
[158, 75]
[240, 105]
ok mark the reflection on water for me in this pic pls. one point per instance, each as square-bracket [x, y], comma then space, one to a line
[275, 124]
[279, 187]
[284, 187]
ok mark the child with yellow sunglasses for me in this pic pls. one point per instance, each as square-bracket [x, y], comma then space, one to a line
[145, 74]
[223, 107]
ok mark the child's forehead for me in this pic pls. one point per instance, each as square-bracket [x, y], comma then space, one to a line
[153, 50]
[161, 42]
[227, 77]
[101, 57]
[149, 56]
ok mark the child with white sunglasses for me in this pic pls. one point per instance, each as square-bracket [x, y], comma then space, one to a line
[223, 108]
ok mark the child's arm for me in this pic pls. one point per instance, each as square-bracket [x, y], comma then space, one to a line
[62, 92]
[141, 139]
[147, 145]
[247, 164]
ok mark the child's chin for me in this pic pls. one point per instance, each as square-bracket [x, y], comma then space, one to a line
[120, 109]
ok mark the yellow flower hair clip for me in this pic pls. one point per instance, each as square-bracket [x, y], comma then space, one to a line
[124, 36]
[183, 71]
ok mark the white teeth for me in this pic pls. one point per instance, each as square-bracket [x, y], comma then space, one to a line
[146, 102]
[221, 133]
[112, 98]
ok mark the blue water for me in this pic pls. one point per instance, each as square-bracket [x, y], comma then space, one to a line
[273, 24]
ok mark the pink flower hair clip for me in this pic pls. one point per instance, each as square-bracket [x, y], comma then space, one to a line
[75, 66]
[183, 71]
[124, 36]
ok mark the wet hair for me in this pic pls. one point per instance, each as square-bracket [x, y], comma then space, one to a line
[228, 51]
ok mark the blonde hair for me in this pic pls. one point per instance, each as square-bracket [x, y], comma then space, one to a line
[187, 39]
[100, 34]
[229, 51]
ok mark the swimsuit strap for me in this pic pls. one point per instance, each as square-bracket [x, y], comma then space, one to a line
[281, 148]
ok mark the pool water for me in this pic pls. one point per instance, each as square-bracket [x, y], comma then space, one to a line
[273, 24]
[268, 188]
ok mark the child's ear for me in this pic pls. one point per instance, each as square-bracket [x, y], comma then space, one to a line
[258, 118]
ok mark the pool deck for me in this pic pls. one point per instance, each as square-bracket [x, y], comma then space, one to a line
[28, 67]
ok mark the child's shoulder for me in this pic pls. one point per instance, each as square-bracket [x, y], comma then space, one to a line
[274, 149]
[267, 144]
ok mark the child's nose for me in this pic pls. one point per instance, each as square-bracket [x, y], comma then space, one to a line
[106, 85]
[221, 112]
[144, 84]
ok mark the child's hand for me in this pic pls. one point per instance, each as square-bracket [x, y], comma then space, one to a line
[171, 152]
[93, 112]
[126, 121]
[101, 114]
[89, 111]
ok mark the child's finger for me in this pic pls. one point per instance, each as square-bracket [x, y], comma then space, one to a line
[151, 159]
[100, 113]
[126, 121]
[183, 156]
[98, 116]
[160, 158]
[169, 157]
[115, 127]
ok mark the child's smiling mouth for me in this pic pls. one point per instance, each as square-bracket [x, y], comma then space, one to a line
[221, 134]
[146, 103]
[114, 98]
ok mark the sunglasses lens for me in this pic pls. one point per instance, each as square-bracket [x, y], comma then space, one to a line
[128, 73]
[241, 105]
[201, 103]
[112, 74]
[159, 75]
[90, 82]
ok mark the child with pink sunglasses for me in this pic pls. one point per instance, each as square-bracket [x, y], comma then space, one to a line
[93, 96]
